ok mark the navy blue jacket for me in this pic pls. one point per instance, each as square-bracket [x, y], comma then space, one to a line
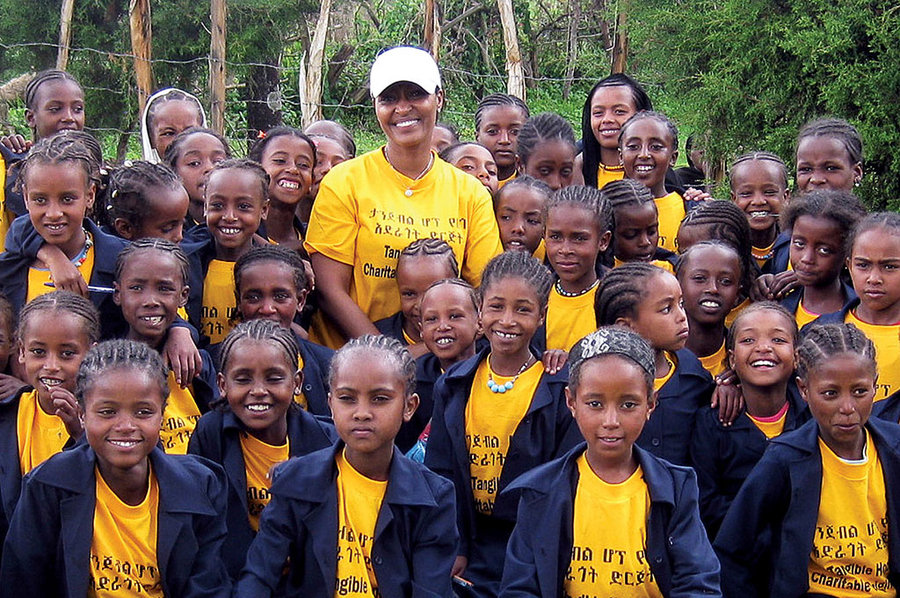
[415, 534]
[218, 438]
[547, 431]
[888, 409]
[539, 552]
[668, 433]
[47, 551]
[723, 456]
[792, 300]
[22, 245]
[10, 467]
[767, 536]
[392, 326]
[781, 254]
[428, 370]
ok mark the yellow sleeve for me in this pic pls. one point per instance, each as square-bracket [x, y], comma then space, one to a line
[333, 224]
[483, 238]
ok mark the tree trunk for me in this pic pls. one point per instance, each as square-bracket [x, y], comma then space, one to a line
[310, 84]
[432, 34]
[141, 48]
[217, 65]
[516, 76]
[620, 50]
[65, 34]
[574, 18]
[263, 97]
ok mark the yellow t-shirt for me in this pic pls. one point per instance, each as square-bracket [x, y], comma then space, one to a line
[803, 315]
[608, 174]
[179, 418]
[5, 217]
[491, 419]
[672, 360]
[41, 435]
[504, 181]
[259, 458]
[771, 426]
[364, 218]
[762, 254]
[716, 363]
[218, 301]
[123, 551]
[609, 538]
[887, 354]
[569, 319]
[849, 558]
[671, 213]
[300, 398]
[667, 266]
[359, 502]
[735, 311]
[39, 277]
[540, 253]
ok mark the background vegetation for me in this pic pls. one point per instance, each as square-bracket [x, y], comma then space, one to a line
[747, 73]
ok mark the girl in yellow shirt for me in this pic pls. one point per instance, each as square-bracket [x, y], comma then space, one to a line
[547, 150]
[498, 121]
[759, 187]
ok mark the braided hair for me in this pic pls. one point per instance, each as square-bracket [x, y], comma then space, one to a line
[173, 95]
[132, 188]
[761, 156]
[261, 331]
[498, 99]
[121, 354]
[586, 198]
[389, 350]
[835, 128]
[889, 221]
[613, 340]
[176, 148]
[757, 307]
[546, 126]
[271, 253]
[683, 259]
[820, 342]
[430, 247]
[61, 302]
[247, 165]
[43, 77]
[650, 115]
[841, 207]
[621, 291]
[591, 151]
[728, 223]
[59, 149]
[153, 244]
[457, 282]
[259, 148]
[518, 264]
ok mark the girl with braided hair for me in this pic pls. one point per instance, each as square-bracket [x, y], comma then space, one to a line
[546, 150]
[146, 200]
[498, 121]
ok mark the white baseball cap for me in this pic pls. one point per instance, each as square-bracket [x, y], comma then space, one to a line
[404, 63]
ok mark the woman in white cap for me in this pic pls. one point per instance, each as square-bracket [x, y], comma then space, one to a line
[371, 207]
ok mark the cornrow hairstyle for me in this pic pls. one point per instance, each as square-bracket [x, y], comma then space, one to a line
[271, 253]
[448, 154]
[329, 129]
[176, 148]
[591, 151]
[683, 259]
[546, 126]
[841, 207]
[59, 149]
[121, 354]
[613, 340]
[390, 350]
[153, 244]
[819, 342]
[247, 165]
[259, 148]
[517, 264]
[756, 308]
[586, 198]
[835, 128]
[132, 188]
[527, 181]
[173, 95]
[43, 77]
[889, 221]
[498, 99]
[61, 301]
[622, 290]
[261, 331]
[652, 115]
[431, 247]
[726, 222]
[458, 282]
[754, 156]
[626, 193]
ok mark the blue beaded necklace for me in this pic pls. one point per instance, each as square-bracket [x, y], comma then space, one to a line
[509, 384]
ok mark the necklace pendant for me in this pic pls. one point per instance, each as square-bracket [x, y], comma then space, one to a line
[408, 193]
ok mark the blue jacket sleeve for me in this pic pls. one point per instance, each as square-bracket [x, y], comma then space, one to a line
[209, 577]
[520, 578]
[704, 459]
[436, 544]
[695, 569]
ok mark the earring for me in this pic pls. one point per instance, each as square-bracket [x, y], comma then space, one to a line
[857, 182]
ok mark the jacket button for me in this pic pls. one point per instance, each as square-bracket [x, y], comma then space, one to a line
[307, 387]
[377, 560]
[655, 442]
[671, 541]
[658, 560]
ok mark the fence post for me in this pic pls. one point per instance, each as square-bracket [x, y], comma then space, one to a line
[310, 78]
[217, 65]
[141, 44]
[516, 82]
[432, 36]
[65, 34]
[620, 49]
